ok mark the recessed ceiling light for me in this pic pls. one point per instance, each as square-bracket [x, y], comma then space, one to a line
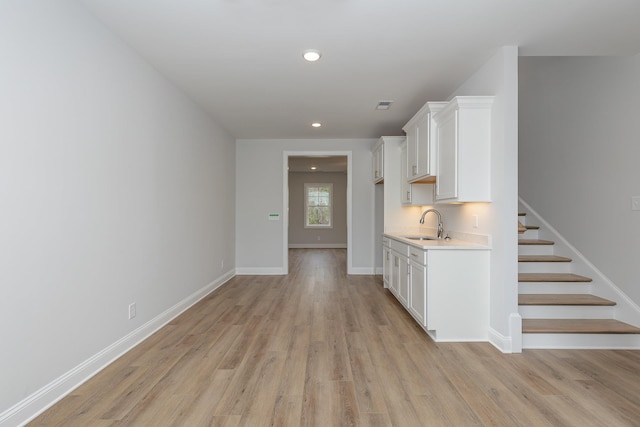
[311, 55]
[313, 168]
[316, 124]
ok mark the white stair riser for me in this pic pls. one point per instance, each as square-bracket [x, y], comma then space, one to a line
[529, 234]
[555, 287]
[535, 249]
[581, 341]
[544, 267]
[565, 312]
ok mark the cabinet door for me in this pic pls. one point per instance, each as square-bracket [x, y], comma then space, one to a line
[405, 187]
[378, 163]
[423, 167]
[403, 286]
[412, 152]
[386, 267]
[447, 158]
[395, 274]
[418, 293]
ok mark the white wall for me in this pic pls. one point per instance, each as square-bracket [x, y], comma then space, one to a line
[114, 188]
[259, 191]
[580, 156]
[497, 77]
[299, 236]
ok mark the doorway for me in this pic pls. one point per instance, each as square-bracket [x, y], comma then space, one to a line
[326, 164]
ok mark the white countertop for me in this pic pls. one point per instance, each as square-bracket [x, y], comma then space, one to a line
[435, 244]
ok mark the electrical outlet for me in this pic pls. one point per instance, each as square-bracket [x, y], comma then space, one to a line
[132, 310]
[318, 238]
[475, 221]
[222, 264]
[635, 203]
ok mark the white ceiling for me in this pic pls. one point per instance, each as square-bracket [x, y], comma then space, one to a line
[241, 59]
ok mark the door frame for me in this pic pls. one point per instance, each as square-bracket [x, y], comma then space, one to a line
[285, 201]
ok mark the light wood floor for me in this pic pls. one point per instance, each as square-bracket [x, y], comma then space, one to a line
[319, 348]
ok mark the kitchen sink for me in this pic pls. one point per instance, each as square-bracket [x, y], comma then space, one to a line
[420, 238]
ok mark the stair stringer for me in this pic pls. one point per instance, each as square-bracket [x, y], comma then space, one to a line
[626, 310]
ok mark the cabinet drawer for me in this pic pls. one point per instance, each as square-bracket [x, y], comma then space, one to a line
[385, 242]
[418, 255]
[401, 248]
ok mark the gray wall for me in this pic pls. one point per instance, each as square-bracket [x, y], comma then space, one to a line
[299, 236]
[579, 156]
[260, 191]
[115, 188]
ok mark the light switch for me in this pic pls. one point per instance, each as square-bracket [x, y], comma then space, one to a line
[635, 203]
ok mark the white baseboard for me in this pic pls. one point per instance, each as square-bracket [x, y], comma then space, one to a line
[500, 342]
[317, 245]
[362, 271]
[33, 405]
[379, 271]
[260, 271]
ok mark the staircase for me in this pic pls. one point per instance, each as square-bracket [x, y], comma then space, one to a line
[559, 308]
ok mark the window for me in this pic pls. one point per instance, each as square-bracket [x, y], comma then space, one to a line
[318, 208]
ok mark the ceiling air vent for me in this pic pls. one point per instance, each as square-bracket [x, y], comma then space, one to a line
[384, 105]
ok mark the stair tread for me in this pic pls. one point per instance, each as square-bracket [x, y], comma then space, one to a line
[542, 258]
[534, 242]
[552, 277]
[577, 326]
[563, 299]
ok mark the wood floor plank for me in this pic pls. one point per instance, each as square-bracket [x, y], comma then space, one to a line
[368, 387]
[397, 398]
[244, 385]
[287, 411]
[320, 348]
[264, 399]
[202, 406]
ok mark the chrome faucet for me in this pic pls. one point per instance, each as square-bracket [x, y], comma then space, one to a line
[440, 234]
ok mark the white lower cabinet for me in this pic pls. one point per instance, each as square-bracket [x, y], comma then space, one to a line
[445, 290]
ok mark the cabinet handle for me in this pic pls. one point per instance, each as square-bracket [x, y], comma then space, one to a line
[414, 255]
[408, 195]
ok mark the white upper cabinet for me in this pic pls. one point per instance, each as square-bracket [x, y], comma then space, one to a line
[463, 150]
[421, 134]
[412, 194]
